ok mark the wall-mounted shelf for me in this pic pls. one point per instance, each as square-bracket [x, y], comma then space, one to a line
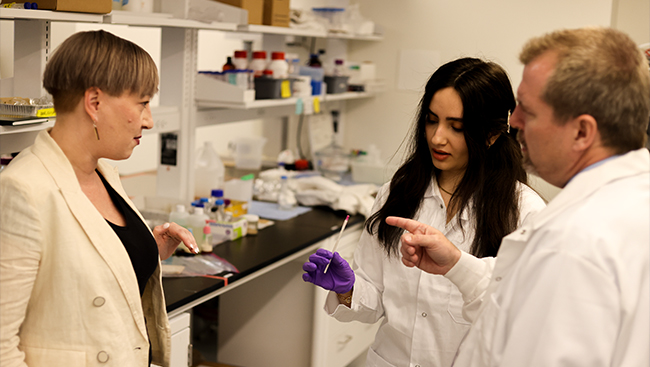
[252, 28]
[265, 103]
[167, 20]
[162, 20]
[7, 130]
[16, 138]
[59, 16]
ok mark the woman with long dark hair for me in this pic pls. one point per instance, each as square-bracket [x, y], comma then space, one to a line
[463, 176]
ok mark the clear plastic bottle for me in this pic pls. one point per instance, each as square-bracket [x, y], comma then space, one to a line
[209, 171]
[279, 66]
[218, 212]
[196, 222]
[258, 64]
[180, 216]
[206, 204]
[339, 68]
[293, 66]
[240, 60]
[215, 194]
[286, 197]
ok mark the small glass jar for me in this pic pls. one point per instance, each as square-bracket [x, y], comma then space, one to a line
[253, 223]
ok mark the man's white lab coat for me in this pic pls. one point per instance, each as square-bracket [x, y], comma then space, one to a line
[571, 286]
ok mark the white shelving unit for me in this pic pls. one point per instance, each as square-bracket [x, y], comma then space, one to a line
[58, 16]
[180, 110]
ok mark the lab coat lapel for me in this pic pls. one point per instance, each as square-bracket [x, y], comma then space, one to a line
[101, 235]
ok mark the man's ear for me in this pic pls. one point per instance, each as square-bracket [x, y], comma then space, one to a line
[91, 101]
[586, 132]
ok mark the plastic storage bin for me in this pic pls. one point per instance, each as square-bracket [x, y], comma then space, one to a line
[270, 88]
[248, 152]
[336, 84]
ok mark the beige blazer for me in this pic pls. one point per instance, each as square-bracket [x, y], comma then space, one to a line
[68, 292]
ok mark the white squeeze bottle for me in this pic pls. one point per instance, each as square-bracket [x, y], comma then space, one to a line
[180, 216]
[209, 171]
[196, 221]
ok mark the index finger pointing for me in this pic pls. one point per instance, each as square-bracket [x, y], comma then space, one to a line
[407, 224]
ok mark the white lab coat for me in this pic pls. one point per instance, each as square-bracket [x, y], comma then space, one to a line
[571, 286]
[423, 323]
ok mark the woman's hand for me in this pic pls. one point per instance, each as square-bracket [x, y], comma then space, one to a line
[339, 277]
[169, 235]
[425, 247]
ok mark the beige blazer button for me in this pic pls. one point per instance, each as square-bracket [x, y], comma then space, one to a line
[102, 357]
[99, 302]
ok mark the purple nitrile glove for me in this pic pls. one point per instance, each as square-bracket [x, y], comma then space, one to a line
[339, 277]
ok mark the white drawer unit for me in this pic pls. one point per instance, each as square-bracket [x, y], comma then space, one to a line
[335, 343]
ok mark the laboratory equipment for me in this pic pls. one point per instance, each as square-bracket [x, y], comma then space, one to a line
[279, 65]
[196, 222]
[241, 60]
[286, 198]
[206, 241]
[253, 221]
[218, 211]
[180, 216]
[248, 152]
[338, 239]
[333, 161]
[314, 61]
[269, 87]
[209, 171]
[258, 64]
[228, 65]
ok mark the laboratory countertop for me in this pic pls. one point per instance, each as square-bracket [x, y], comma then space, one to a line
[251, 254]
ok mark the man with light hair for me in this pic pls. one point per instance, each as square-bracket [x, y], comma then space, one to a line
[571, 286]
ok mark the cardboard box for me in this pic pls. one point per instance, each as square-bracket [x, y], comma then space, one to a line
[228, 231]
[276, 13]
[79, 6]
[255, 8]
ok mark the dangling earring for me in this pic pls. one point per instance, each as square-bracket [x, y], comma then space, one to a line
[96, 133]
[508, 122]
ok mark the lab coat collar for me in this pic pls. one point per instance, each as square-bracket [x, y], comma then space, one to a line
[433, 192]
[101, 235]
[587, 182]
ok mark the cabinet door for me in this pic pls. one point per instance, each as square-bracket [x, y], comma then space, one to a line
[180, 327]
[336, 344]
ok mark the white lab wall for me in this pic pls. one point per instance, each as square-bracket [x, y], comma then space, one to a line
[446, 29]
[144, 157]
[633, 18]
[494, 30]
